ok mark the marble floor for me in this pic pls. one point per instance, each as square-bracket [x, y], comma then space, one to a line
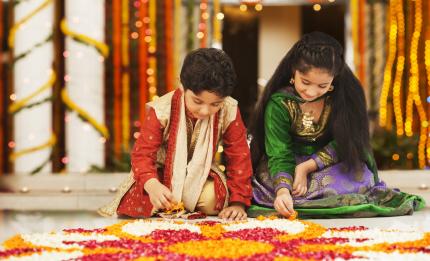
[16, 222]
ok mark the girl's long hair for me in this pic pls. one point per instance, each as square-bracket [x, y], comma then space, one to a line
[349, 125]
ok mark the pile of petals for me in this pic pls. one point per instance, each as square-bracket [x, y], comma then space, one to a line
[255, 239]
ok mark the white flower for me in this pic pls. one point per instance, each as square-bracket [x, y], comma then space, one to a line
[283, 225]
[375, 236]
[56, 240]
[144, 228]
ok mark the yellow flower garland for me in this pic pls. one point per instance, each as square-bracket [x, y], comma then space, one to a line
[73, 106]
[17, 25]
[51, 142]
[101, 47]
[23, 102]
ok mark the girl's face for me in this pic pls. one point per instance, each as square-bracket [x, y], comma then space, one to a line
[313, 84]
[202, 105]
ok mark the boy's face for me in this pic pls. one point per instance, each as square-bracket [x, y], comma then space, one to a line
[202, 105]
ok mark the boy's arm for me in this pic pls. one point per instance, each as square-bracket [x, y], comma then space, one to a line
[238, 161]
[144, 154]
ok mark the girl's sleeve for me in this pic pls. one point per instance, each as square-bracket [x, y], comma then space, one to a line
[144, 154]
[278, 144]
[238, 162]
[326, 156]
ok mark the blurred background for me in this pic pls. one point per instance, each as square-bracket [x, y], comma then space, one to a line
[76, 74]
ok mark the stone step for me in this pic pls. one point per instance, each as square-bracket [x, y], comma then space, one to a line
[90, 191]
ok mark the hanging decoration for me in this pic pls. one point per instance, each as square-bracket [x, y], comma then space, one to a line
[178, 39]
[142, 25]
[50, 143]
[2, 83]
[406, 94]
[101, 128]
[397, 85]
[203, 30]
[17, 25]
[152, 40]
[25, 102]
[413, 96]
[125, 78]
[169, 37]
[357, 9]
[24, 54]
[117, 99]
[101, 47]
[392, 50]
[190, 25]
[216, 20]
[18, 105]
[427, 66]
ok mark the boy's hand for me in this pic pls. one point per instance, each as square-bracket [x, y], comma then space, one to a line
[236, 211]
[284, 202]
[160, 196]
[300, 184]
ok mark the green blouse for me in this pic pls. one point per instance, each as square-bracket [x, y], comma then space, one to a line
[288, 134]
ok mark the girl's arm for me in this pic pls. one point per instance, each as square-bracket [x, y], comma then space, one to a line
[278, 143]
[144, 154]
[326, 156]
[238, 162]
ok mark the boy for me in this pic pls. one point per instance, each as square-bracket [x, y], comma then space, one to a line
[173, 158]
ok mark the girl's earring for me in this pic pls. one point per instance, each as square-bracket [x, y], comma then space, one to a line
[331, 88]
[292, 81]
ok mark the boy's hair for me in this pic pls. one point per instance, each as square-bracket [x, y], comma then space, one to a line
[208, 69]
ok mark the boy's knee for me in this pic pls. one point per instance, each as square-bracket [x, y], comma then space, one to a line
[207, 200]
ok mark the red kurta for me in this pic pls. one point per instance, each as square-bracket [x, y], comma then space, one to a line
[136, 203]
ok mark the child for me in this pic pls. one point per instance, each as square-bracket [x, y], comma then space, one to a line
[173, 158]
[314, 146]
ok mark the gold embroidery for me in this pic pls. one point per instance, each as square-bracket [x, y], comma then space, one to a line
[308, 122]
[326, 180]
[190, 129]
[362, 190]
[223, 178]
[359, 175]
[194, 136]
[325, 158]
[282, 179]
[300, 124]
[347, 186]
[109, 210]
[313, 186]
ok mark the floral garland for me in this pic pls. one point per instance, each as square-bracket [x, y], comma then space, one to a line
[101, 47]
[101, 128]
[17, 25]
[255, 239]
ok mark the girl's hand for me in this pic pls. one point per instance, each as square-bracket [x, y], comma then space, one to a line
[236, 211]
[300, 184]
[160, 196]
[284, 202]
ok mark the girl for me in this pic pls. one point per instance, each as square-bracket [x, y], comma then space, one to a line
[313, 153]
